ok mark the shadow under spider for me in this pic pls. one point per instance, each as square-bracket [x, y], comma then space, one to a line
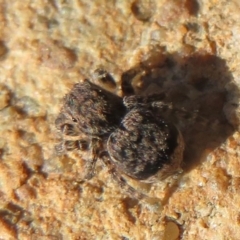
[200, 88]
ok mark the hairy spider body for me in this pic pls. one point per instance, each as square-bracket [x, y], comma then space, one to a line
[129, 135]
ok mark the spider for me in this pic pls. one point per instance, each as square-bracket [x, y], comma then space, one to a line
[129, 135]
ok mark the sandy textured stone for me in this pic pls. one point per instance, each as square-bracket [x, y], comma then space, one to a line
[4, 96]
[188, 48]
[7, 231]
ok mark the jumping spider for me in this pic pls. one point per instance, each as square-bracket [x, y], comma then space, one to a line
[129, 135]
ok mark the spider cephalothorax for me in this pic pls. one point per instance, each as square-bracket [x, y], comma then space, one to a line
[88, 115]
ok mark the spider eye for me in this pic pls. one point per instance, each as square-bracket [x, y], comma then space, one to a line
[74, 119]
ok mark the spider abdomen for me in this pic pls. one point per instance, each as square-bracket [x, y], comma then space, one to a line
[144, 144]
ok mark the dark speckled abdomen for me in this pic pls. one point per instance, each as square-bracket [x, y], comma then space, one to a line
[144, 144]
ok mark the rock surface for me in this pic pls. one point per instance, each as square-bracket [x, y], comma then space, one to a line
[188, 49]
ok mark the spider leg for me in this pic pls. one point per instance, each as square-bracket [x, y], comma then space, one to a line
[90, 167]
[91, 163]
[120, 180]
[167, 109]
[154, 101]
[66, 146]
[160, 104]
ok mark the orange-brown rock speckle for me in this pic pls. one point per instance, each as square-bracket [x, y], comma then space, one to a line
[47, 46]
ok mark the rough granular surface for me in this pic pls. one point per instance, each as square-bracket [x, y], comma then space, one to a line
[186, 52]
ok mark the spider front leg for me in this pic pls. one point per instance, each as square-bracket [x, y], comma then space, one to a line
[71, 145]
[119, 179]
